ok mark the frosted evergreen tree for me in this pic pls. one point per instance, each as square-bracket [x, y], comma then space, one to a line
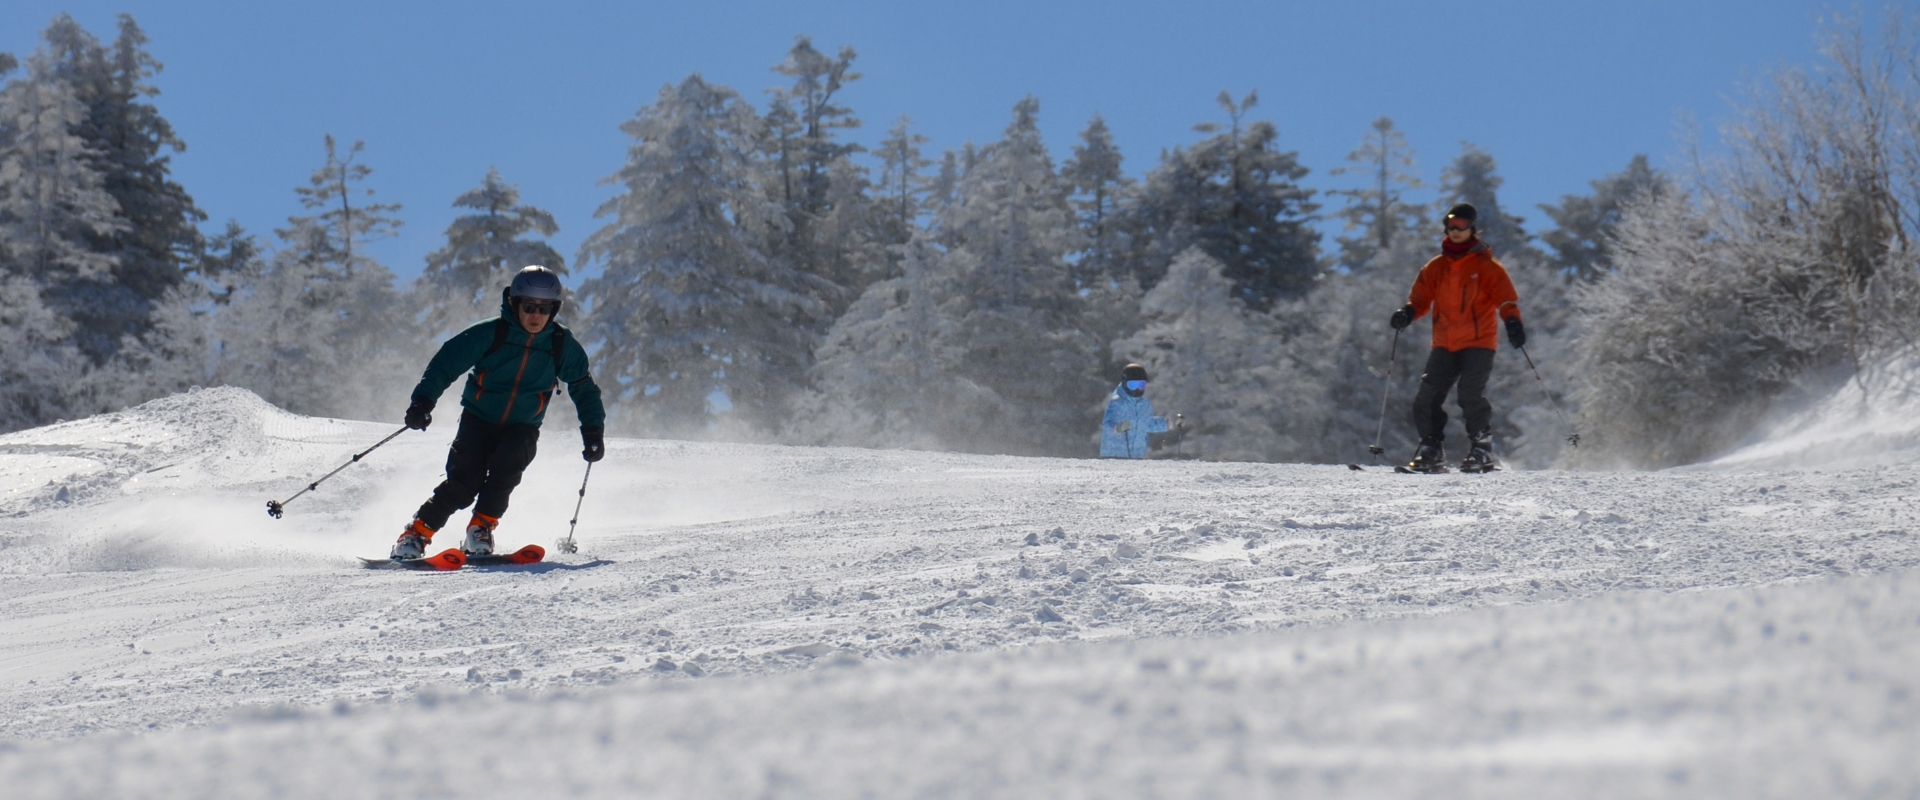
[331, 191]
[52, 207]
[462, 281]
[1472, 178]
[321, 329]
[1582, 241]
[945, 181]
[53, 202]
[1098, 186]
[1237, 196]
[827, 226]
[1378, 210]
[231, 258]
[1208, 355]
[688, 316]
[128, 142]
[1015, 311]
[40, 367]
[888, 373]
[903, 189]
[272, 336]
[181, 348]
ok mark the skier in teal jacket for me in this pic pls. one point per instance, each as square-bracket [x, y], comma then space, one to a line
[514, 365]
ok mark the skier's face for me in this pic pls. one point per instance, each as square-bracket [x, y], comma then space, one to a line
[1459, 231]
[533, 315]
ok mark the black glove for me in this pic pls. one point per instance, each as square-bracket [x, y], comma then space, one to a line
[420, 414]
[1402, 318]
[1516, 332]
[596, 447]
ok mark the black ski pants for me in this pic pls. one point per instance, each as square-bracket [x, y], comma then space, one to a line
[1470, 368]
[485, 461]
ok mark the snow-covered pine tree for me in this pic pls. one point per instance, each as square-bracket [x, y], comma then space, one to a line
[946, 180]
[1377, 210]
[1015, 312]
[1208, 355]
[52, 207]
[1098, 187]
[322, 329]
[1582, 241]
[273, 336]
[330, 191]
[1238, 197]
[462, 281]
[180, 349]
[41, 367]
[54, 201]
[127, 142]
[688, 316]
[823, 194]
[903, 189]
[888, 374]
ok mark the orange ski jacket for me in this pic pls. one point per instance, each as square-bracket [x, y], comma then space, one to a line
[1468, 296]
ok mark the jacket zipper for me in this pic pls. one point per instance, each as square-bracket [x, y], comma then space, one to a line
[513, 392]
[1466, 298]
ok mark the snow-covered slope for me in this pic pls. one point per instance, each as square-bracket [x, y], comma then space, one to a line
[1872, 419]
[786, 622]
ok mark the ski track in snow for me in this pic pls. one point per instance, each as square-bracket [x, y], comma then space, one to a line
[816, 622]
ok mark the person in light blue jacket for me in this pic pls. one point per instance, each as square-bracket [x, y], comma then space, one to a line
[1129, 418]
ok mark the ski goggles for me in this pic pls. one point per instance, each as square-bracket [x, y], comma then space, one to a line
[1459, 225]
[542, 307]
[1134, 386]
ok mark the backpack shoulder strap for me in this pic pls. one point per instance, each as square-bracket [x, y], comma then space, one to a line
[499, 337]
[559, 349]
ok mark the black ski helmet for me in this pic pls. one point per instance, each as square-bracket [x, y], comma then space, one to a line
[1133, 372]
[536, 283]
[1464, 211]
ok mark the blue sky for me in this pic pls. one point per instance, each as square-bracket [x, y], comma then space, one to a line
[1560, 93]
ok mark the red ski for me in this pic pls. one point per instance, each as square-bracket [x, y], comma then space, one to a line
[531, 554]
[449, 559]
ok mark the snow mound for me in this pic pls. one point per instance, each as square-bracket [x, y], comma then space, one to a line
[1869, 421]
[154, 486]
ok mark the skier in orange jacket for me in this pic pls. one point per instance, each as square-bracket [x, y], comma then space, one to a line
[1468, 293]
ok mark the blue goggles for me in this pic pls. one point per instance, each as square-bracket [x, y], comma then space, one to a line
[1134, 386]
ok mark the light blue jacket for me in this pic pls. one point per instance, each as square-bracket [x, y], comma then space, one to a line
[1137, 412]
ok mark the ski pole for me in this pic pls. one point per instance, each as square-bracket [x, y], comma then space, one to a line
[566, 545]
[277, 507]
[1386, 390]
[1573, 439]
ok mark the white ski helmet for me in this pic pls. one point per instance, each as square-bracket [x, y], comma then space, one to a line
[536, 283]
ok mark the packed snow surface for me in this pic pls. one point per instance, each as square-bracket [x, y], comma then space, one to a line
[750, 621]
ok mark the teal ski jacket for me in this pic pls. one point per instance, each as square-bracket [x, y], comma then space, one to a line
[512, 384]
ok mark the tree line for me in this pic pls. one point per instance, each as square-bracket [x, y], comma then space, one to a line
[757, 276]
